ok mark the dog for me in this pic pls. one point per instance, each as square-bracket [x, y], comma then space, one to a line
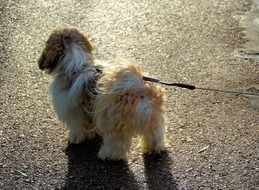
[107, 98]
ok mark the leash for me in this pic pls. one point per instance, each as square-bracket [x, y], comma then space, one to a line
[192, 87]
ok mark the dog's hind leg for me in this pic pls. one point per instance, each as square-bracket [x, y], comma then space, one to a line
[153, 138]
[115, 146]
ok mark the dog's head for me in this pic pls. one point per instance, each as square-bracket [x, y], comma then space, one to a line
[68, 44]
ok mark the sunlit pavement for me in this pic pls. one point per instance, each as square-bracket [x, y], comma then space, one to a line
[212, 137]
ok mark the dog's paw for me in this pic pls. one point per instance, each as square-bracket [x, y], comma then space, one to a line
[155, 149]
[90, 135]
[73, 138]
[106, 155]
[102, 155]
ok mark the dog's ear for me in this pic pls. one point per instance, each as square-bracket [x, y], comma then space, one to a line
[51, 54]
[48, 59]
[59, 45]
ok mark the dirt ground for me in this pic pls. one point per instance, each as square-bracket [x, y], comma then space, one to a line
[213, 139]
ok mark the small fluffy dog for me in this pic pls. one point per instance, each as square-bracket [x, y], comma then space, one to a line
[108, 98]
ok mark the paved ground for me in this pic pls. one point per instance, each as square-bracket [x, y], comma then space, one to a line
[213, 140]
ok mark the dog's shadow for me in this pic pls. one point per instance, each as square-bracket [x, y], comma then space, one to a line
[158, 172]
[86, 171]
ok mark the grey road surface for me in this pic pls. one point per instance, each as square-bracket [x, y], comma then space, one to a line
[213, 140]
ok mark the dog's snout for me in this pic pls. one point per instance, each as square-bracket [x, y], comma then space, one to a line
[41, 62]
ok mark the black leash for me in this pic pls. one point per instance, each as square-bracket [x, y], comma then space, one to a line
[192, 87]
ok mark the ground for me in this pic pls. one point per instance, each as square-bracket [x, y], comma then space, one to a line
[213, 140]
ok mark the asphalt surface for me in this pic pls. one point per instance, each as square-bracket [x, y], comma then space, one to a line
[213, 140]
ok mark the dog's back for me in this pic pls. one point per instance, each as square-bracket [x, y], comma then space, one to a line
[127, 105]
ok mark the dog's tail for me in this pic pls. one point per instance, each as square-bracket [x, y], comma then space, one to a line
[126, 103]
